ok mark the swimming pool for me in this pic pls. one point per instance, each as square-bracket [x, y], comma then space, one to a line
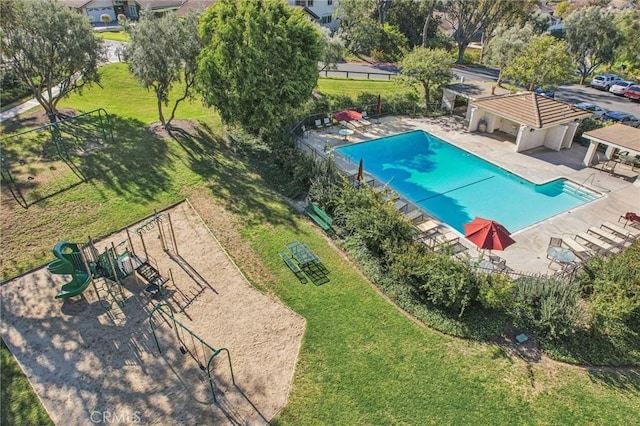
[455, 186]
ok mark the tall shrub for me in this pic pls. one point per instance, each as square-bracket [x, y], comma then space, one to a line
[547, 306]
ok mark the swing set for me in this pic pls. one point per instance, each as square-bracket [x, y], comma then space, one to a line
[30, 165]
[192, 345]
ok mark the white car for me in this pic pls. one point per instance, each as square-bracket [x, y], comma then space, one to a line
[604, 81]
[597, 111]
[619, 87]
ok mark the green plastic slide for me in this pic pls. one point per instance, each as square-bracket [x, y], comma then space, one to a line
[69, 262]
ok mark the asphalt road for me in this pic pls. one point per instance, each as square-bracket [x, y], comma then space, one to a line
[570, 93]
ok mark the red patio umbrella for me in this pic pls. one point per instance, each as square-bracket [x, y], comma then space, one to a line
[487, 234]
[347, 115]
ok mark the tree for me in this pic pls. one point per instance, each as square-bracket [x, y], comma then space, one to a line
[259, 61]
[542, 62]
[359, 30]
[468, 17]
[164, 52]
[507, 45]
[51, 48]
[592, 38]
[332, 48]
[430, 68]
[628, 24]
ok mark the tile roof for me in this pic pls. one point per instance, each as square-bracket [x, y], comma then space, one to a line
[617, 134]
[532, 109]
[76, 4]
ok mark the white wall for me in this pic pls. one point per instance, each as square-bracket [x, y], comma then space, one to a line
[530, 138]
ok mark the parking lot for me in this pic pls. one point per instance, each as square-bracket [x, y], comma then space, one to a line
[575, 93]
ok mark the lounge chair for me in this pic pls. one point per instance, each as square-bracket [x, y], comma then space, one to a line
[598, 244]
[426, 228]
[400, 205]
[347, 124]
[414, 215]
[327, 122]
[364, 122]
[608, 236]
[356, 124]
[627, 233]
[578, 249]
[318, 124]
[630, 219]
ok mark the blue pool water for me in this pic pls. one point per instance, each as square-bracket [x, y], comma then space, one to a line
[455, 186]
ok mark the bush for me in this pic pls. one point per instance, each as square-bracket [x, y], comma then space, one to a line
[613, 288]
[547, 306]
[437, 278]
[12, 88]
[586, 125]
[496, 291]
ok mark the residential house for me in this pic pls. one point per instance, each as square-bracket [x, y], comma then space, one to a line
[320, 11]
[94, 9]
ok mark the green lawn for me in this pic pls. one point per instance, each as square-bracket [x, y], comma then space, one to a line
[361, 360]
[113, 35]
[351, 87]
[19, 404]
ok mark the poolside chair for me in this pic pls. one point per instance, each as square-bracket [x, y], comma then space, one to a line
[364, 122]
[608, 236]
[347, 124]
[400, 205]
[631, 219]
[599, 245]
[318, 124]
[414, 215]
[582, 252]
[426, 228]
[327, 122]
[627, 233]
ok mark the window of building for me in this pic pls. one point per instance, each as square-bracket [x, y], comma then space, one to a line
[325, 19]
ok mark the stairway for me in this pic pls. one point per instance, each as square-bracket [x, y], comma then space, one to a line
[153, 277]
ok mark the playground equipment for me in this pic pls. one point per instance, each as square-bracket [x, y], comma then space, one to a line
[86, 264]
[193, 345]
[69, 261]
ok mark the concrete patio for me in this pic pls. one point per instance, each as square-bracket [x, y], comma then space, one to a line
[619, 195]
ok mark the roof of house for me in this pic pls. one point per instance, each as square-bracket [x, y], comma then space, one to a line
[617, 134]
[197, 5]
[160, 4]
[308, 11]
[532, 109]
[76, 4]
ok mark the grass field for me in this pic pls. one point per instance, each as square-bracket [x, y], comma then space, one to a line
[113, 35]
[362, 361]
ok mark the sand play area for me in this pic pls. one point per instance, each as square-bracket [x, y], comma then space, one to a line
[90, 364]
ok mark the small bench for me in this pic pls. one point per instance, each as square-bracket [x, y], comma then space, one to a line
[319, 216]
[294, 267]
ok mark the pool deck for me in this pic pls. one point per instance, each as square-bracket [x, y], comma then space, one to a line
[619, 195]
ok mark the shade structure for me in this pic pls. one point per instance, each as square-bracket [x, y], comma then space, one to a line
[487, 234]
[360, 175]
[379, 106]
[347, 115]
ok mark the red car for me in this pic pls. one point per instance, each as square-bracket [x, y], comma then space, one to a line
[633, 92]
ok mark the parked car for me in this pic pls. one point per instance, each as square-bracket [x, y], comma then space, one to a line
[633, 92]
[619, 87]
[545, 92]
[622, 117]
[604, 81]
[597, 111]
